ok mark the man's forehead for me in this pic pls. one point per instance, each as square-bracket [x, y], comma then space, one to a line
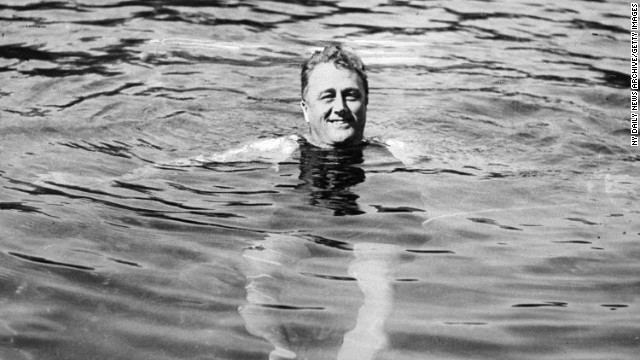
[328, 76]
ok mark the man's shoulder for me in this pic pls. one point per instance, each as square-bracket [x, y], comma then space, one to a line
[284, 144]
[279, 149]
[271, 150]
[400, 150]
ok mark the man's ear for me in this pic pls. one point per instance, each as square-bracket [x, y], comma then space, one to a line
[305, 108]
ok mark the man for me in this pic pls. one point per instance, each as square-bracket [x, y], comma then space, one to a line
[335, 95]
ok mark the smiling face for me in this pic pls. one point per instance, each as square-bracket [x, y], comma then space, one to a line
[335, 106]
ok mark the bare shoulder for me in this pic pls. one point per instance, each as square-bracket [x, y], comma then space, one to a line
[284, 144]
[268, 150]
[401, 150]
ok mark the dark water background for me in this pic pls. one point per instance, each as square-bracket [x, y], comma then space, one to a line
[516, 236]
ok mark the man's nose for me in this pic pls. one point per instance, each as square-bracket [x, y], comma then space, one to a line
[339, 106]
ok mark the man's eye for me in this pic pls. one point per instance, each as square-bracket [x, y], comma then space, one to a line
[353, 96]
[326, 97]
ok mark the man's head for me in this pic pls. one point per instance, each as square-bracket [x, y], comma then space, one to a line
[335, 94]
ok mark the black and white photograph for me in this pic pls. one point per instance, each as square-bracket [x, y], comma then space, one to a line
[319, 180]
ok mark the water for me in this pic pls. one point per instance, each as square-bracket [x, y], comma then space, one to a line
[513, 236]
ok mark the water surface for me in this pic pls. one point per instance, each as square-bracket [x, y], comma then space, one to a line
[514, 234]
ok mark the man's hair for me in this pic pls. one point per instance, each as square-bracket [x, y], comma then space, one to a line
[341, 58]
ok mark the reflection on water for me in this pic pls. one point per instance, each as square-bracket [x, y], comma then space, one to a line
[270, 267]
[516, 239]
[372, 268]
[329, 174]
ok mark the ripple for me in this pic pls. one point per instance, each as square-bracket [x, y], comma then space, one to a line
[544, 304]
[431, 251]
[335, 244]
[583, 221]
[615, 306]
[399, 209]
[290, 307]
[572, 242]
[329, 277]
[135, 187]
[20, 206]
[125, 262]
[45, 261]
[493, 222]
[106, 93]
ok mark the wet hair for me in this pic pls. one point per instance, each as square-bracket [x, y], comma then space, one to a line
[341, 58]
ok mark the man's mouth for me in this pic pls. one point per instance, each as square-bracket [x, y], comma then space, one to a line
[346, 121]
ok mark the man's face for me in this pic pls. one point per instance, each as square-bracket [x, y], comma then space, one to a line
[335, 106]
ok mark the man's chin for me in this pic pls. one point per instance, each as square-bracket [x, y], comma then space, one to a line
[336, 138]
[345, 138]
